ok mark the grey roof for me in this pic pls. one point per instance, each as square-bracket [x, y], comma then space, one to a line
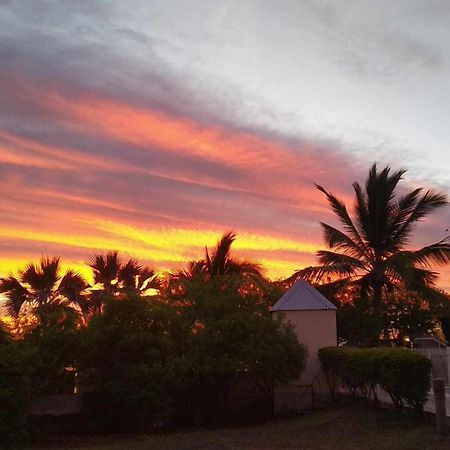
[301, 296]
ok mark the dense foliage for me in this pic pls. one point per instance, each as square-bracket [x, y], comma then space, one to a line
[404, 317]
[53, 347]
[233, 335]
[175, 358]
[14, 392]
[126, 363]
[405, 375]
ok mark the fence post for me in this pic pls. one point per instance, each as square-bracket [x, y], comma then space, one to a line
[439, 398]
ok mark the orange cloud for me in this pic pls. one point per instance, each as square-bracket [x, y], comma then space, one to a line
[265, 160]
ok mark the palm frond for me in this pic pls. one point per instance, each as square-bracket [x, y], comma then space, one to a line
[429, 202]
[362, 214]
[194, 269]
[380, 189]
[328, 258]
[438, 253]
[129, 272]
[338, 240]
[16, 295]
[341, 212]
[207, 262]
[243, 267]
[321, 274]
[42, 276]
[148, 279]
[106, 268]
[401, 268]
[221, 254]
[381, 202]
[72, 286]
[400, 215]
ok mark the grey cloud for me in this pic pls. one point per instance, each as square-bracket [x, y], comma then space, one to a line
[389, 54]
[89, 53]
[375, 39]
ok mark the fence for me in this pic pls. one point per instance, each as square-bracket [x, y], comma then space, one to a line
[440, 361]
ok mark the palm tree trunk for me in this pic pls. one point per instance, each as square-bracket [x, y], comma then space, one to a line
[377, 295]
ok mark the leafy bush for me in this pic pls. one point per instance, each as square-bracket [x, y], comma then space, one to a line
[53, 349]
[358, 323]
[231, 333]
[124, 365]
[403, 374]
[14, 393]
[177, 358]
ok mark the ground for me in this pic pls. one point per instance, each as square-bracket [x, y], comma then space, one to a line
[346, 428]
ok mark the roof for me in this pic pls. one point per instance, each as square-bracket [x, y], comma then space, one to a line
[301, 296]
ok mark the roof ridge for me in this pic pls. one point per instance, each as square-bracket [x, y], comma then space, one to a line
[302, 296]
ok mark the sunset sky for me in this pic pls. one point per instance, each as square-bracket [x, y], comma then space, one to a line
[152, 127]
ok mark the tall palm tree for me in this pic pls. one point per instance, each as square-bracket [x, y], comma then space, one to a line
[44, 289]
[370, 251]
[220, 262]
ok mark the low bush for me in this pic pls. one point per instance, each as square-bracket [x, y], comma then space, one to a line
[403, 374]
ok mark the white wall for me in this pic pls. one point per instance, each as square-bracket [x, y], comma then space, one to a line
[315, 329]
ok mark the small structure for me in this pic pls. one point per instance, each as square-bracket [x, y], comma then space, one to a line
[314, 320]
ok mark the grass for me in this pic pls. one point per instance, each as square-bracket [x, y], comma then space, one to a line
[346, 428]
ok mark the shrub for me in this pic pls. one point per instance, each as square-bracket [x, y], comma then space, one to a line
[14, 393]
[231, 334]
[403, 374]
[124, 367]
[53, 349]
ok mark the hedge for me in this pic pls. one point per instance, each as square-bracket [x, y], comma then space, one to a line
[405, 375]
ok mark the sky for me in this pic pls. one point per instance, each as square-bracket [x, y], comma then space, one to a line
[152, 127]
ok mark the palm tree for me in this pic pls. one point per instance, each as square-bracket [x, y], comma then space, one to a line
[219, 262]
[43, 288]
[117, 277]
[135, 278]
[106, 270]
[370, 252]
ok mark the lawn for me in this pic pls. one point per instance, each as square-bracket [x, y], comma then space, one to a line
[338, 428]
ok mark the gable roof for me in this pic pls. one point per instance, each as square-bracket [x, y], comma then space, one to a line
[301, 296]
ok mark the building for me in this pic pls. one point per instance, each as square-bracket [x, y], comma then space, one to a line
[314, 320]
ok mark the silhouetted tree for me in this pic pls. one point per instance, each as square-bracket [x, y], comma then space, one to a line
[117, 277]
[44, 290]
[370, 251]
[219, 262]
